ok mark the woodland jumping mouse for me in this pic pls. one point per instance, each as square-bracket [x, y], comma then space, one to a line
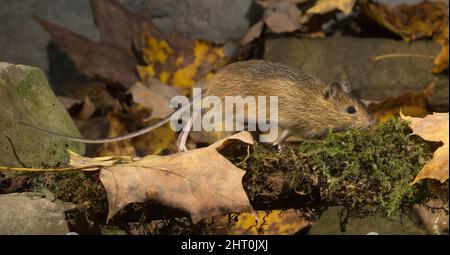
[307, 106]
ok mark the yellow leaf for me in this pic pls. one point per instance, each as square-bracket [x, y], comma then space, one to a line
[157, 51]
[156, 141]
[325, 6]
[180, 67]
[275, 222]
[203, 53]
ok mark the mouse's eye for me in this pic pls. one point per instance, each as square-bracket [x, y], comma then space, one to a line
[351, 110]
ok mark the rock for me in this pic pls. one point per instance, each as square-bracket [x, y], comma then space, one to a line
[328, 224]
[31, 214]
[26, 96]
[348, 58]
[218, 21]
[23, 41]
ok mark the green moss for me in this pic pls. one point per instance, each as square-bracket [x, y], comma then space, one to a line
[366, 171]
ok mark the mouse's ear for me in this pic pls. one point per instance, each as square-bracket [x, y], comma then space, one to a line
[345, 86]
[334, 90]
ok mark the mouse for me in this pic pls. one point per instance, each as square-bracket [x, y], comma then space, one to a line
[307, 106]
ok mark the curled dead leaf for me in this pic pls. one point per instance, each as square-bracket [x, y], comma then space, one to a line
[253, 33]
[411, 103]
[434, 128]
[425, 19]
[201, 181]
[154, 96]
[282, 16]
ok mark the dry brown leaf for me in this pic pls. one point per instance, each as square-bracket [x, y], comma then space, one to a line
[424, 19]
[103, 61]
[201, 181]
[411, 104]
[253, 33]
[76, 160]
[282, 16]
[112, 60]
[434, 128]
[154, 96]
[325, 6]
[87, 109]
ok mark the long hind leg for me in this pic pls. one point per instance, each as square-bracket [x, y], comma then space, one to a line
[280, 141]
[184, 134]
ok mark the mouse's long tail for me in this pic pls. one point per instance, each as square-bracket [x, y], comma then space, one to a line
[117, 138]
[105, 140]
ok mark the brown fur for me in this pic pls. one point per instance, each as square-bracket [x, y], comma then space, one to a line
[303, 104]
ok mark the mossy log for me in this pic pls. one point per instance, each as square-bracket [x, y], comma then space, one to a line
[366, 172]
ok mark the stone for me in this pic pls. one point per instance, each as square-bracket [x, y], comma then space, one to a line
[218, 21]
[329, 224]
[26, 96]
[350, 59]
[32, 214]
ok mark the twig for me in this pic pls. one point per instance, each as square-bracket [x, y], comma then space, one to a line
[401, 55]
[64, 169]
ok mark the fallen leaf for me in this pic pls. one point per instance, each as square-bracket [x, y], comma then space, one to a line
[411, 104]
[253, 33]
[325, 6]
[112, 60]
[103, 61]
[181, 66]
[154, 96]
[276, 222]
[200, 181]
[434, 128]
[119, 26]
[77, 160]
[87, 109]
[412, 22]
[282, 16]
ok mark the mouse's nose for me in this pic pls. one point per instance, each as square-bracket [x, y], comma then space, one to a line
[372, 121]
